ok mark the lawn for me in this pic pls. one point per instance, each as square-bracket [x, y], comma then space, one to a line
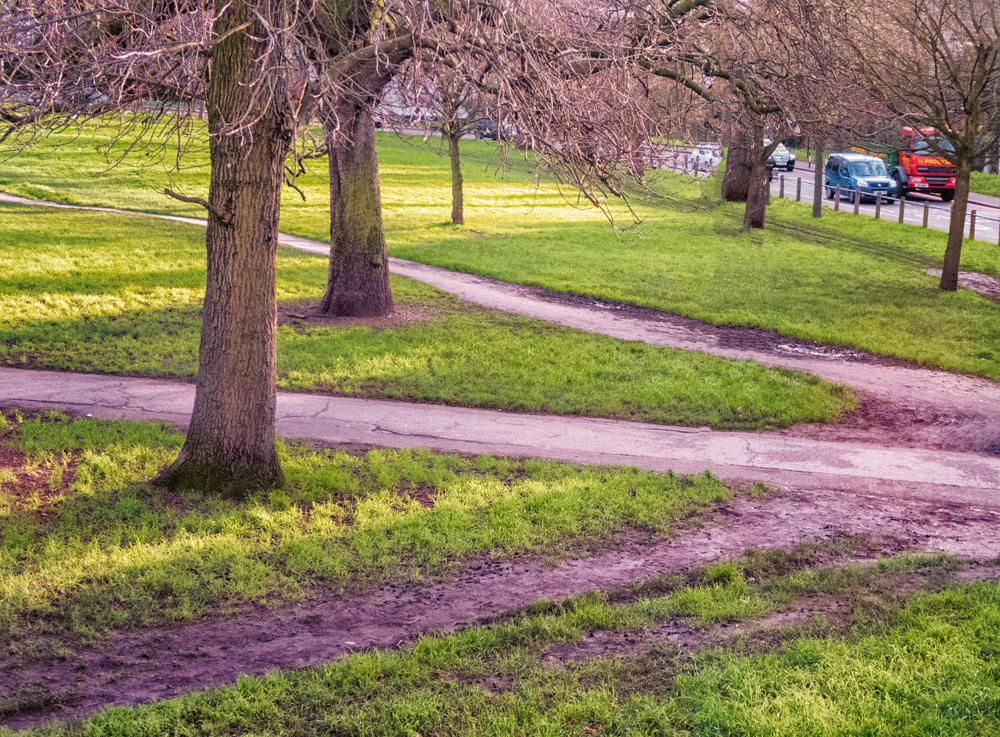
[87, 546]
[843, 280]
[887, 665]
[94, 292]
[985, 183]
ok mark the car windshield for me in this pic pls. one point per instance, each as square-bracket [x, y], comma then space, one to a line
[868, 169]
[921, 146]
[782, 149]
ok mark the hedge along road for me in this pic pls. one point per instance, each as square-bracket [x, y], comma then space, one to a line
[902, 405]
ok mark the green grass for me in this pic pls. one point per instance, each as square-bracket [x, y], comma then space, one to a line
[87, 546]
[926, 667]
[985, 183]
[94, 292]
[844, 280]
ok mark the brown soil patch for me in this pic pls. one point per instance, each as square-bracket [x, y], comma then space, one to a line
[912, 425]
[300, 315]
[988, 286]
[31, 480]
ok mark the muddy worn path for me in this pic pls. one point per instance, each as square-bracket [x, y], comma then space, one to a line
[903, 405]
[141, 667]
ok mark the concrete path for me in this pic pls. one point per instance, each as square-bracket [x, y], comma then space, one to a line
[939, 409]
[798, 462]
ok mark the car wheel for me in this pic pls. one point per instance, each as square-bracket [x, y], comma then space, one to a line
[829, 193]
[791, 167]
[947, 196]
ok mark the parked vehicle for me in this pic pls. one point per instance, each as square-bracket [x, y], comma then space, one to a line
[858, 175]
[914, 165]
[706, 155]
[780, 158]
[488, 129]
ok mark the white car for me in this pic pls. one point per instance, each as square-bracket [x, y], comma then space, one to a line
[707, 155]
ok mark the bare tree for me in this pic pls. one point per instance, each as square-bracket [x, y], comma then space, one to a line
[534, 58]
[111, 62]
[936, 65]
[770, 78]
[267, 62]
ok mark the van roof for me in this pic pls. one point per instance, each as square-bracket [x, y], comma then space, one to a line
[857, 157]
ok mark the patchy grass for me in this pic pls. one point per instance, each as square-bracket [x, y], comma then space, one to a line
[927, 667]
[86, 545]
[843, 280]
[102, 293]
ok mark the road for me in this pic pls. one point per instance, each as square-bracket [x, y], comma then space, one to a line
[938, 213]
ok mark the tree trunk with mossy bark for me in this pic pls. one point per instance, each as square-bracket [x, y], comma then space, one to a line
[358, 280]
[230, 444]
[760, 179]
[956, 227]
[760, 185]
[739, 169]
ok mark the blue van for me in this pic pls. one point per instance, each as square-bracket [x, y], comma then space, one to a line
[859, 175]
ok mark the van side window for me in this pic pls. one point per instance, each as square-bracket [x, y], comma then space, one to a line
[834, 165]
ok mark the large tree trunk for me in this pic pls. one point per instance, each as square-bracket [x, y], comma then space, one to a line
[358, 282]
[230, 446]
[756, 209]
[739, 169]
[457, 205]
[818, 181]
[956, 226]
[760, 181]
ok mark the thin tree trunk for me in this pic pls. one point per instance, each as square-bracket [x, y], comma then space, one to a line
[457, 205]
[956, 227]
[230, 446]
[358, 282]
[818, 183]
[739, 169]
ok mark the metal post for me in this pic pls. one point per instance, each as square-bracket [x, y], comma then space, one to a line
[836, 199]
[857, 202]
[798, 190]
[972, 226]
[685, 163]
[902, 207]
[878, 205]
[781, 187]
[926, 211]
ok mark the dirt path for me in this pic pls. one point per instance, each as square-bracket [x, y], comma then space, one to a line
[903, 405]
[141, 667]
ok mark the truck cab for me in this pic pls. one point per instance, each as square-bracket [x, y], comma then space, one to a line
[920, 168]
[914, 163]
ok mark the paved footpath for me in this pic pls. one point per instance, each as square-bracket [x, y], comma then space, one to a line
[736, 456]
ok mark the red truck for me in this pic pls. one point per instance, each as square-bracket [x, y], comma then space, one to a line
[914, 165]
